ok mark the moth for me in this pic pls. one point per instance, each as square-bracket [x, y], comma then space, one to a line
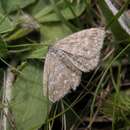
[68, 58]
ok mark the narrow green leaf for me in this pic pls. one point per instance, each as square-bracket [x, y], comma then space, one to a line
[48, 14]
[38, 53]
[3, 49]
[38, 6]
[118, 31]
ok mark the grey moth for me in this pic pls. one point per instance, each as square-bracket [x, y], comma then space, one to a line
[68, 58]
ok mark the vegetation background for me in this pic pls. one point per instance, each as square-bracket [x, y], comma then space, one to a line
[27, 29]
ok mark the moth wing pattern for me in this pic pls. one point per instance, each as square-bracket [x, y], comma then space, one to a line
[86, 43]
[58, 78]
[67, 59]
[82, 63]
[83, 48]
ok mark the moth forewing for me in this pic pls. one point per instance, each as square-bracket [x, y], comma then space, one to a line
[86, 43]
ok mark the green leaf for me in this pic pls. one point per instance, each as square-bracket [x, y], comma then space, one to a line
[52, 32]
[13, 5]
[5, 24]
[28, 104]
[72, 11]
[1, 8]
[38, 6]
